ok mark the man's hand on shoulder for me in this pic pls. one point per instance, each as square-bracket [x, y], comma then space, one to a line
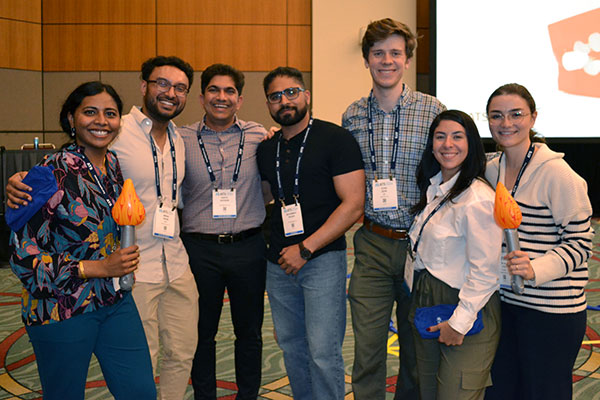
[270, 133]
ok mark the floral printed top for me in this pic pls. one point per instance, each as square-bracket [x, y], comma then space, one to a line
[75, 224]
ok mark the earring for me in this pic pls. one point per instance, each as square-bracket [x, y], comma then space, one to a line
[73, 132]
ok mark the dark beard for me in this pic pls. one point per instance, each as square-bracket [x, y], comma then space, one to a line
[290, 119]
[150, 105]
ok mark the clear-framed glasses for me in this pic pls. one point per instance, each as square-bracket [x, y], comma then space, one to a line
[290, 93]
[513, 116]
[164, 85]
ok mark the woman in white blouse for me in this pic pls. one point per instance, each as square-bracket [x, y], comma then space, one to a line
[457, 245]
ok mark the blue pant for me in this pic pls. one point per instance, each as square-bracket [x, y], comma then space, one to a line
[309, 314]
[114, 334]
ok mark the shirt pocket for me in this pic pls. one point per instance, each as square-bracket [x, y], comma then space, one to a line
[436, 242]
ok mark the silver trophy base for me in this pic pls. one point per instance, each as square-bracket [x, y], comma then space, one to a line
[127, 239]
[512, 242]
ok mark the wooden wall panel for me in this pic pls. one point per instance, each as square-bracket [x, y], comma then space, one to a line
[97, 47]
[423, 13]
[299, 12]
[20, 45]
[299, 47]
[423, 34]
[246, 47]
[423, 51]
[30, 10]
[221, 11]
[99, 11]
[21, 103]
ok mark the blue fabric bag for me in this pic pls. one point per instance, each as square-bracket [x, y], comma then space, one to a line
[42, 181]
[430, 316]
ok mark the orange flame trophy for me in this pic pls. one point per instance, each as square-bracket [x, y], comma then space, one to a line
[508, 216]
[128, 212]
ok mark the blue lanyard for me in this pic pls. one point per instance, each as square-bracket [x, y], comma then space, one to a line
[371, 138]
[297, 174]
[238, 161]
[96, 178]
[157, 172]
[523, 166]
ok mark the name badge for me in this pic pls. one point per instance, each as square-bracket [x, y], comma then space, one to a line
[292, 220]
[505, 278]
[409, 270]
[224, 203]
[164, 221]
[385, 195]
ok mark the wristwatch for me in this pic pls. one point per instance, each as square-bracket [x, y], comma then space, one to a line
[305, 253]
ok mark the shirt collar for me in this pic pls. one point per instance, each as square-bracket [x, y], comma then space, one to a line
[439, 189]
[146, 123]
[405, 99]
[236, 123]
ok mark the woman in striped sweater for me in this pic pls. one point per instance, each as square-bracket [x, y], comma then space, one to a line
[542, 328]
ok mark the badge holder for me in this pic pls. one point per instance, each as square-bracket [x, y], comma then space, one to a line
[292, 219]
[224, 203]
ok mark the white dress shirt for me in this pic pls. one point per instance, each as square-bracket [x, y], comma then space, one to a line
[461, 245]
[135, 156]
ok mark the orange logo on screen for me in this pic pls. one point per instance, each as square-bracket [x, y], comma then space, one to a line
[576, 46]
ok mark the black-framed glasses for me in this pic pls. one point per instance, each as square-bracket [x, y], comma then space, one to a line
[164, 85]
[290, 93]
[513, 116]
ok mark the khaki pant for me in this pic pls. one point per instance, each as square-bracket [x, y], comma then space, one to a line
[169, 312]
[377, 283]
[454, 372]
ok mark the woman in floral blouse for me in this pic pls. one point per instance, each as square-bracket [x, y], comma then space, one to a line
[67, 257]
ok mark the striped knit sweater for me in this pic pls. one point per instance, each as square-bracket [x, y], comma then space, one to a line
[555, 232]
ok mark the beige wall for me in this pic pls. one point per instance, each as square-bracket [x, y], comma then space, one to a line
[339, 74]
[34, 105]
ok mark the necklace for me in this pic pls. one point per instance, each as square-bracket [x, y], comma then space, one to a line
[102, 167]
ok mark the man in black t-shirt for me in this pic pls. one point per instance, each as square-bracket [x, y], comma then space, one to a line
[315, 173]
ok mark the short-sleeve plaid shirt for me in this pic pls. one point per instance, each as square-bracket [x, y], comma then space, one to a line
[416, 112]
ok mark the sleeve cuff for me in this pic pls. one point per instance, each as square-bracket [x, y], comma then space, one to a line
[461, 320]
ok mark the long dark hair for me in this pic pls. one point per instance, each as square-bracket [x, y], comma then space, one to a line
[76, 97]
[473, 167]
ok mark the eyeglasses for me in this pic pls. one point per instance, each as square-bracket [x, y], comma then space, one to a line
[164, 85]
[513, 116]
[290, 94]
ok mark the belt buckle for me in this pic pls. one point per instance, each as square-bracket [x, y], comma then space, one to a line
[402, 233]
[225, 239]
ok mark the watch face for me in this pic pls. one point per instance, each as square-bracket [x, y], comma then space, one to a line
[305, 254]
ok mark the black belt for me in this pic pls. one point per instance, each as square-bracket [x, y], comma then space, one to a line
[226, 238]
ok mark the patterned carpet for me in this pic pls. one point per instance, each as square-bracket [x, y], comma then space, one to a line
[19, 380]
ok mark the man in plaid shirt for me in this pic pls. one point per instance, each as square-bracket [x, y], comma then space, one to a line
[391, 127]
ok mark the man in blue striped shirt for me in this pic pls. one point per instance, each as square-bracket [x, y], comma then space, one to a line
[221, 229]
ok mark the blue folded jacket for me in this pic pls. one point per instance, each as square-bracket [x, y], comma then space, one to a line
[42, 181]
[430, 316]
